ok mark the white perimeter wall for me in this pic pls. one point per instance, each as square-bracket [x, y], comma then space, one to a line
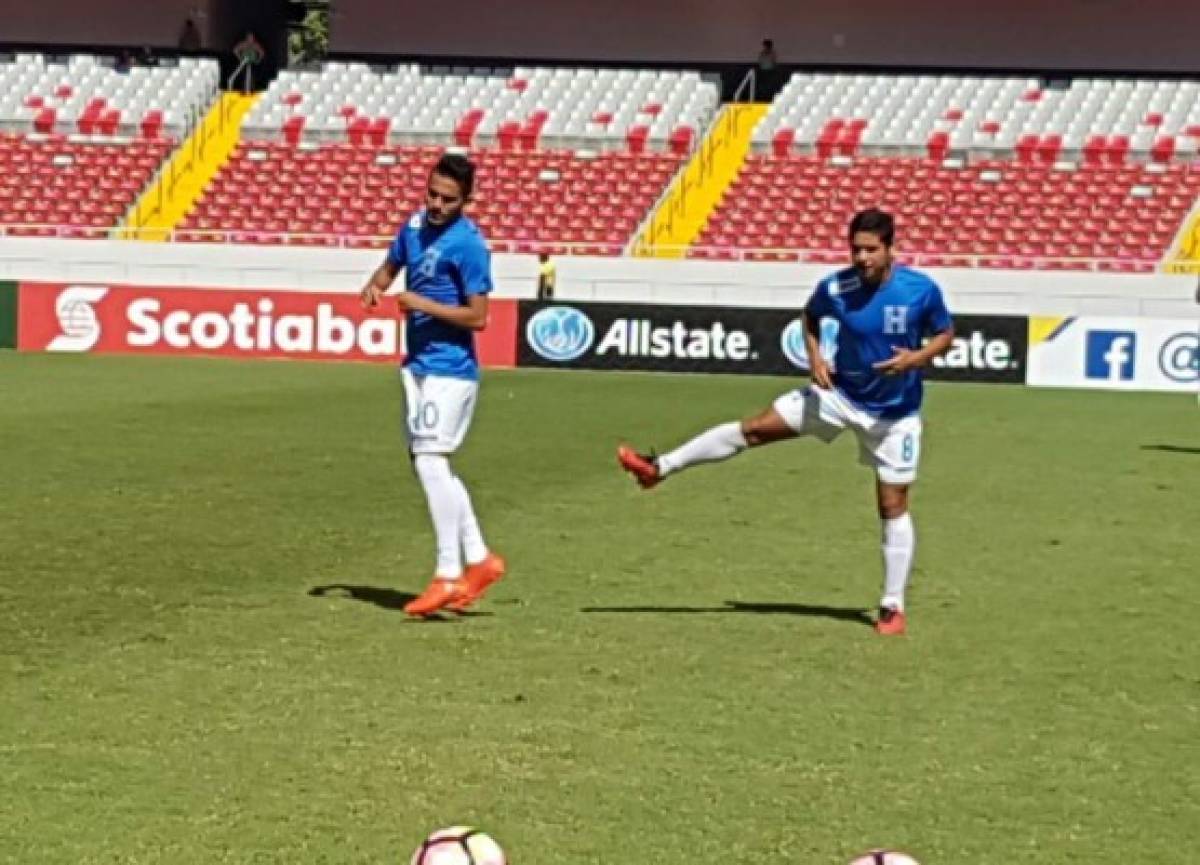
[601, 279]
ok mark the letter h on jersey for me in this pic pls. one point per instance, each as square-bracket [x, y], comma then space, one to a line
[895, 320]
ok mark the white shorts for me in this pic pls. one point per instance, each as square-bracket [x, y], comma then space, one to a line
[891, 447]
[438, 411]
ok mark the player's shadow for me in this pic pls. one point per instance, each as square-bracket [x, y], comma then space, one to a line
[1171, 449]
[843, 614]
[387, 599]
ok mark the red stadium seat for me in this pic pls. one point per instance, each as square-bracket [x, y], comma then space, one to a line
[76, 189]
[593, 205]
[1029, 217]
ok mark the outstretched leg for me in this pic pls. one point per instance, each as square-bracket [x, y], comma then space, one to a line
[716, 444]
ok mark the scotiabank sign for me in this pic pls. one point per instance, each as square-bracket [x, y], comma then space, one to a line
[736, 339]
[274, 324]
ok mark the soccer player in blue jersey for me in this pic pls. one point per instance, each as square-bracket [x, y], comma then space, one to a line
[872, 386]
[447, 280]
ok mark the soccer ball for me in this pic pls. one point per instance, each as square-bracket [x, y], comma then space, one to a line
[458, 845]
[885, 857]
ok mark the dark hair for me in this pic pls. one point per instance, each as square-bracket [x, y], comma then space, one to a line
[874, 221]
[459, 169]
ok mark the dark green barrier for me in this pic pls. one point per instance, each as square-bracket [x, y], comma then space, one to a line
[8, 315]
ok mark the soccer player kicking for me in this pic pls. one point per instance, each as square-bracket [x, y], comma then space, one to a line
[447, 279]
[871, 385]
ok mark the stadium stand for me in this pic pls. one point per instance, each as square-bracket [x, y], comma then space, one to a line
[981, 171]
[1089, 120]
[54, 186]
[996, 172]
[527, 108]
[557, 200]
[79, 141]
[84, 95]
[570, 159]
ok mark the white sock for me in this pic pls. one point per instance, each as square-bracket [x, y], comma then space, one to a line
[711, 446]
[899, 544]
[469, 533]
[445, 506]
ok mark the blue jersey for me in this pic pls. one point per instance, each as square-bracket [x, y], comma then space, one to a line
[871, 323]
[447, 264]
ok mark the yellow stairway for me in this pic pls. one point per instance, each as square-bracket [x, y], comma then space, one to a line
[697, 191]
[1186, 258]
[186, 174]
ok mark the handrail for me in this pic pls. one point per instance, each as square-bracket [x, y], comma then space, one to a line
[749, 83]
[244, 64]
[826, 257]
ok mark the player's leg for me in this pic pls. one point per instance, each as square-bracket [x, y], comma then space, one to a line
[429, 416]
[456, 400]
[894, 450]
[715, 444]
[899, 545]
[793, 414]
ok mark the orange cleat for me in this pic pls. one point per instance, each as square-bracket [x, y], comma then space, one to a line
[440, 593]
[890, 622]
[642, 467]
[477, 579]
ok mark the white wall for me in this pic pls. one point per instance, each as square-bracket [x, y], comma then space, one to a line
[610, 279]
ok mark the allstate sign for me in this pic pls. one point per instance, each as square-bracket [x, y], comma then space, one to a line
[560, 333]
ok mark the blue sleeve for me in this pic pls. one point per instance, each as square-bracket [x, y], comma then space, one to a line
[818, 304]
[475, 269]
[937, 317]
[397, 254]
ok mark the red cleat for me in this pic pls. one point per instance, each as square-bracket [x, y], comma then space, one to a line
[642, 467]
[890, 622]
[477, 579]
[440, 593]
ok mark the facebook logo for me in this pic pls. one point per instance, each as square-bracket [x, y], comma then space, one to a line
[1110, 354]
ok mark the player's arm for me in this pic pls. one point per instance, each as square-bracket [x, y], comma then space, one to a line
[937, 320]
[381, 280]
[817, 307]
[473, 274]
[821, 375]
[383, 277]
[473, 316]
[905, 359]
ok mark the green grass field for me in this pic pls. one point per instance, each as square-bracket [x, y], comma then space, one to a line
[202, 659]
